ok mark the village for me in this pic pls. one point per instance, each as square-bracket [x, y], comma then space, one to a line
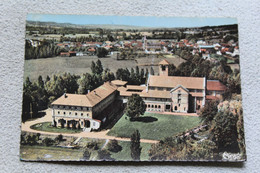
[179, 82]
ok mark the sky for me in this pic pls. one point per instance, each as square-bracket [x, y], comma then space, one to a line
[144, 21]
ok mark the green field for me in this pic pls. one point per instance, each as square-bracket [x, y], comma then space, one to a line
[46, 126]
[125, 153]
[56, 153]
[156, 127]
[49, 153]
[79, 65]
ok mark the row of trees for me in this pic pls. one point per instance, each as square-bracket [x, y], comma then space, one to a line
[134, 77]
[45, 50]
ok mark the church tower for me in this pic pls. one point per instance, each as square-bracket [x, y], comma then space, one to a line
[163, 68]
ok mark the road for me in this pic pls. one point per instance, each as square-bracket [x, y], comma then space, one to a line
[96, 135]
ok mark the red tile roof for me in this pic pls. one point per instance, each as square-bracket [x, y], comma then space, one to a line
[173, 81]
[89, 100]
[215, 85]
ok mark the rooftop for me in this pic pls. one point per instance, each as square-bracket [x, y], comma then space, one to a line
[119, 82]
[173, 81]
[88, 100]
[164, 62]
[215, 85]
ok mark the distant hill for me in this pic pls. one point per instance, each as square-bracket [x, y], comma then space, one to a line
[69, 25]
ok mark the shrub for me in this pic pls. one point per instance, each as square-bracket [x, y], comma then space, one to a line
[113, 146]
[48, 141]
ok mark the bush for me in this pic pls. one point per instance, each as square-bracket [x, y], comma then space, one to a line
[104, 155]
[48, 141]
[59, 138]
[92, 145]
[113, 146]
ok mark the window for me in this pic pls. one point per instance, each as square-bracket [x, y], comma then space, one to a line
[175, 108]
[94, 123]
[159, 106]
[81, 114]
[184, 108]
[149, 106]
[152, 106]
[70, 113]
[87, 114]
[155, 106]
[179, 105]
[58, 112]
[168, 106]
[64, 113]
[76, 113]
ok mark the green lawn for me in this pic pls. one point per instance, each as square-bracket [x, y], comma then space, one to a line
[46, 126]
[49, 153]
[157, 127]
[125, 153]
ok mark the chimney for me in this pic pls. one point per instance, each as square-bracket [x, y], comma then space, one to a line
[65, 95]
[88, 91]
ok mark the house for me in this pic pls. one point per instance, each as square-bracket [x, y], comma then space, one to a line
[84, 110]
[65, 54]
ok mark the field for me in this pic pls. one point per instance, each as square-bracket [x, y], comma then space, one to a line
[79, 65]
[125, 153]
[49, 153]
[154, 126]
[58, 153]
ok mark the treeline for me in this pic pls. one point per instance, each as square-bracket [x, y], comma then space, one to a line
[45, 50]
[133, 77]
[224, 133]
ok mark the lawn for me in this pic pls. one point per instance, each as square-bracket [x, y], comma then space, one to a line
[46, 126]
[125, 153]
[154, 126]
[49, 153]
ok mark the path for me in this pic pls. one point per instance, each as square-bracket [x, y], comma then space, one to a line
[97, 135]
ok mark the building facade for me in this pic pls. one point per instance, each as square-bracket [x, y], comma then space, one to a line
[84, 111]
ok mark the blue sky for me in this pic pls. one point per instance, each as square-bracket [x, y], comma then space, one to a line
[132, 20]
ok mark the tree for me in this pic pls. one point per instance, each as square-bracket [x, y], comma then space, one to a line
[104, 155]
[102, 52]
[135, 106]
[113, 146]
[48, 141]
[209, 111]
[135, 146]
[99, 67]
[59, 138]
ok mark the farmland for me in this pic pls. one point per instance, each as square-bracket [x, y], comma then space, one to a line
[79, 65]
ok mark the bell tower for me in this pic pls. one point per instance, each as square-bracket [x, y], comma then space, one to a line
[164, 68]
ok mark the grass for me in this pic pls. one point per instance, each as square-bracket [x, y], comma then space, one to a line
[46, 126]
[161, 126]
[49, 153]
[125, 153]
[79, 65]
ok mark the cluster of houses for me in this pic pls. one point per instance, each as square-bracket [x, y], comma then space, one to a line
[148, 46]
[161, 93]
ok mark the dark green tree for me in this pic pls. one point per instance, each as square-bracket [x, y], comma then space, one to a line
[135, 146]
[102, 52]
[135, 106]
